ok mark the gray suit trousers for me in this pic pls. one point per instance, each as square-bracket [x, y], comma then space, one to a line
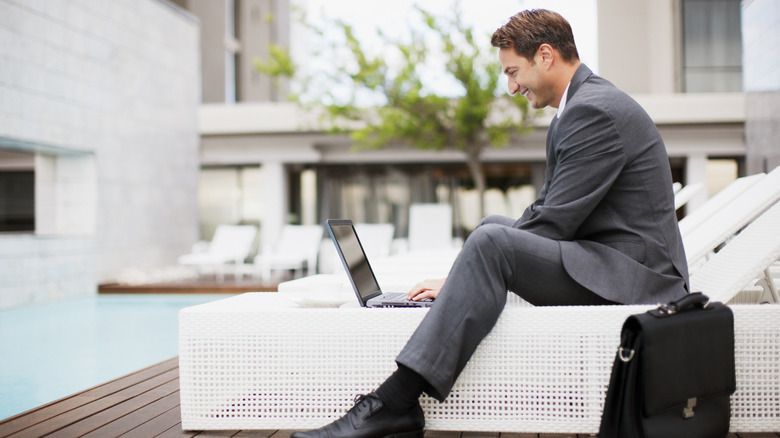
[495, 258]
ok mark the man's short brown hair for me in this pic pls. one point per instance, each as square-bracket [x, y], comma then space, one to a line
[529, 29]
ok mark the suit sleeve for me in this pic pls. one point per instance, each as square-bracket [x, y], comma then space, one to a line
[589, 157]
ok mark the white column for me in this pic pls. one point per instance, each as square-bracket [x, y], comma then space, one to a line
[45, 199]
[274, 210]
[696, 172]
[309, 197]
[65, 195]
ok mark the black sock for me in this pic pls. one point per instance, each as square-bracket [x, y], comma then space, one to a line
[402, 389]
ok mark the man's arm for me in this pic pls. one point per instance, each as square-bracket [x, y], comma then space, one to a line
[589, 158]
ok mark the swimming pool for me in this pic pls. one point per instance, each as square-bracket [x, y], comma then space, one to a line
[53, 350]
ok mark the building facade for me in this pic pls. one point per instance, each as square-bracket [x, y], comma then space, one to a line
[129, 129]
[98, 142]
[681, 59]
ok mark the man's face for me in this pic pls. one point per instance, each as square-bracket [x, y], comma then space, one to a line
[525, 77]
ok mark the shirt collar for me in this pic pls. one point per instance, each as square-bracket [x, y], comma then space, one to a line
[562, 104]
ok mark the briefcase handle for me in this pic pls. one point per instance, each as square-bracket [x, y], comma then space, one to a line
[688, 302]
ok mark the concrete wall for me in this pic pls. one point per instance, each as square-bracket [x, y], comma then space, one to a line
[105, 94]
[245, 28]
[639, 45]
[213, 33]
[261, 23]
[761, 34]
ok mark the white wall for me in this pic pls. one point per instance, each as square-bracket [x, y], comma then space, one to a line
[639, 45]
[106, 94]
[760, 38]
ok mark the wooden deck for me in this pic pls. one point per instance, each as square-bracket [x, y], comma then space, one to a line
[145, 404]
[191, 287]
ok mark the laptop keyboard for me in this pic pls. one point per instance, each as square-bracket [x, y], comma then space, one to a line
[398, 298]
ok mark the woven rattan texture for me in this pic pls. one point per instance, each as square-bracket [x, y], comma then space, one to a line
[254, 362]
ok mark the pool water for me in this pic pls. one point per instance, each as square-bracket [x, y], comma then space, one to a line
[53, 350]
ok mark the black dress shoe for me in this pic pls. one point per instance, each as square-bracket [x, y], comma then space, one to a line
[370, 419]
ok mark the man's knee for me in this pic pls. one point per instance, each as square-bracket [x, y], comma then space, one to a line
[489, 257]
[496, 219]
[487, 237]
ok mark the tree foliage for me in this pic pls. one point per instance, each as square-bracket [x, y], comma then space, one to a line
[477, 116]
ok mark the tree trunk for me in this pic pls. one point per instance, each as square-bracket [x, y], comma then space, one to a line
[474, 163]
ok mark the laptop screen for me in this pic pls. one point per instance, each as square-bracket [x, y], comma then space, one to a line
[354, 258]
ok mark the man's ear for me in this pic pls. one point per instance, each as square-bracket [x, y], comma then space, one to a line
[547, 54]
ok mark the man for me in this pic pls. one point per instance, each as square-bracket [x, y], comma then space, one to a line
[602, 231]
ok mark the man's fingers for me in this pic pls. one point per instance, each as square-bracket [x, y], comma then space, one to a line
[425, 289]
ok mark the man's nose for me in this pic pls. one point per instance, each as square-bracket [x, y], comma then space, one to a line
[513, 87]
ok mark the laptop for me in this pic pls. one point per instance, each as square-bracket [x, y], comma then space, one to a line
[359, 271]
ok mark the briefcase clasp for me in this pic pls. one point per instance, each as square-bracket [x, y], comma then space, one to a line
[688, 410]
[667, 309]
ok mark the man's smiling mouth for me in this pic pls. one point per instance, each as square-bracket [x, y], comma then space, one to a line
[525, 93]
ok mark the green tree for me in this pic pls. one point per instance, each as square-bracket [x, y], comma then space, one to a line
[477, 116]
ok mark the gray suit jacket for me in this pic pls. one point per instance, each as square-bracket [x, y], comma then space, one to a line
[608, 197]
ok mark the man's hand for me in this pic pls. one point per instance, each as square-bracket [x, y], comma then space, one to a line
[426, 289]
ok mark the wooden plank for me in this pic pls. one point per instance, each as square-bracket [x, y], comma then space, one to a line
[92, 406]
[196, 287]
[125, 410]
[176, 432]
[40, 414]
[138, 377]
[142, 416]
[157, 425]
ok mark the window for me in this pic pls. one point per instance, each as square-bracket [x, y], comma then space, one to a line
[712, 46]
[17, 191]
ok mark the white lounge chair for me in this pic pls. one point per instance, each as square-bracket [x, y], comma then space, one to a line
[717, 202]
[295, 251]
[377, 239]
[496, 202]
[685, 194]
[430, 227]
[706, 237]
[744, 259]
[227, 250]
[255, 361]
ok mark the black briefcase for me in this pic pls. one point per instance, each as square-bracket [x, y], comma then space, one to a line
[673, 373]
